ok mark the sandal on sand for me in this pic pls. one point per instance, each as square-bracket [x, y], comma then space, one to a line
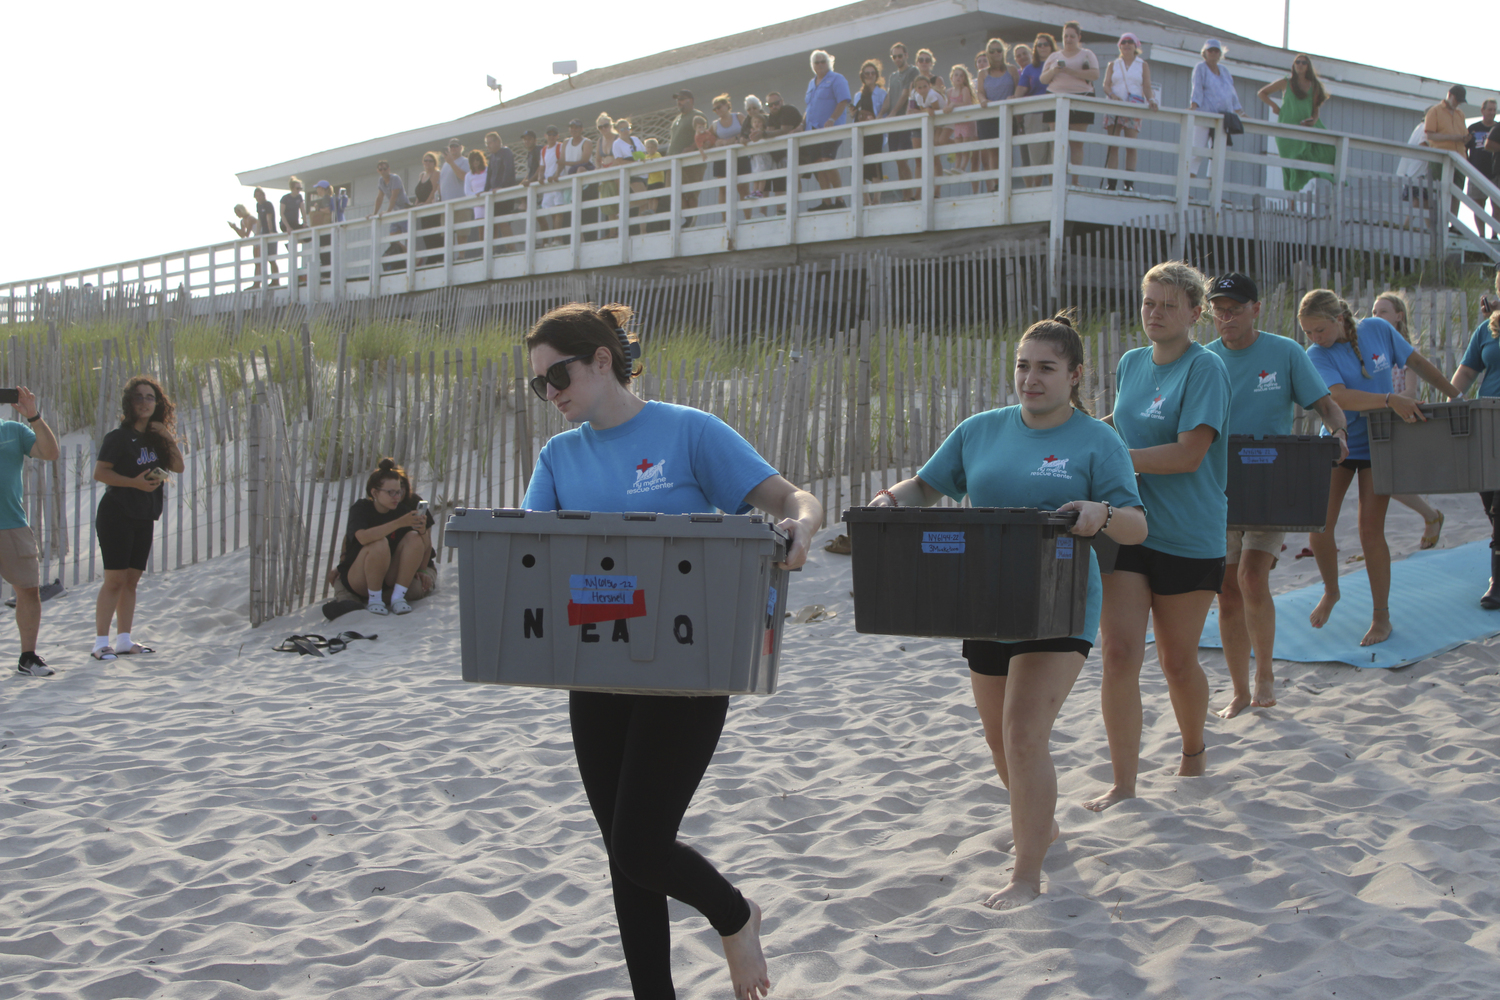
[104, 654]
[304, 645]
[840, 546]
[1432, 534]
[135, 647]
[340, 642]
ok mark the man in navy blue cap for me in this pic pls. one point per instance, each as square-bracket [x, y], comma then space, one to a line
[1267, 374]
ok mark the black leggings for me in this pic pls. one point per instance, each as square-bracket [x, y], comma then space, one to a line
[641, 758]
[1489, 498]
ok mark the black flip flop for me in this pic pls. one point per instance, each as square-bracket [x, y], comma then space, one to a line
[341, 641]
[303, 644]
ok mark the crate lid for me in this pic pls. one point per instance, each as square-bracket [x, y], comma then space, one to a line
[514, 520]
[1282, 439]
[958, 515]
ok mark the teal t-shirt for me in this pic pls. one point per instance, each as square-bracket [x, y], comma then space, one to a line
[998, 461]
[16, 440]
[1185, 511]
[1483, 356]
[1266, 378]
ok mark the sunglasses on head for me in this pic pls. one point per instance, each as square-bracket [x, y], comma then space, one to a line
[557, 376]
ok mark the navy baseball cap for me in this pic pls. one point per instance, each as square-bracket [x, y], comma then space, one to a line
[1236, 286]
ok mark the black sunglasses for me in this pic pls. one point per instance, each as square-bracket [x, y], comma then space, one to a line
[557, 374]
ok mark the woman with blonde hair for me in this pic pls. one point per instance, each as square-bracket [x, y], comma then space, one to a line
[960, 95]
[1171, 409]
[1127, 79]
[1355, 361]
[1483, 358]
[1391, 306]
[997, 81]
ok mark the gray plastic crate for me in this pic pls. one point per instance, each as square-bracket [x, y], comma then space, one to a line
[1455, 450]
[1004, 573]
[646, 603]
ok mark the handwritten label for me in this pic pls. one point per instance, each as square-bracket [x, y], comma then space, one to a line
[1258, 456]
[594, 588]
[1065, 547]
[942, 542]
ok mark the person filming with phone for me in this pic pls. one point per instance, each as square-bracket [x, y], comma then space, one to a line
[134, 464]
[388, 544]
[18, 555]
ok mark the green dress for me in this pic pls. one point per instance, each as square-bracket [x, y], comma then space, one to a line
[1293, 110]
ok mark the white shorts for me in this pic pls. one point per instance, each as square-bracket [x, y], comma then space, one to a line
[552, 199]
[1259, 541]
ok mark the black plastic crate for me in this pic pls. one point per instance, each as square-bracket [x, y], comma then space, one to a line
[1279, 482]
[980, 573]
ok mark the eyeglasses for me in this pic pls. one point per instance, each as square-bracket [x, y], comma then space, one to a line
[143, 397]
[557, 375]
[396, 492]
[924, 59]
[773, 104]
[1228, 311]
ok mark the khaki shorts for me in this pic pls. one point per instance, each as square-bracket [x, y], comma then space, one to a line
[1269, 542]
[18, 561]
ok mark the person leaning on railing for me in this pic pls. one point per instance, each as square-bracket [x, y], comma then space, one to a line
[1213, 92]
[1302, 98]
[1073, 70]
[1127, 79]
[1030, 85]
[827, 101]
[996, 81]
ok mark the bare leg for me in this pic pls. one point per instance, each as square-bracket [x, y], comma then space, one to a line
[369, 569]
[109, 599]
[1130, 133]
[1372, 508]
[411, 553]
[1178, 619]
[1122, 639]
[1038, 684]
[747, 963]
[1247, 618]
[28, 616]
[1325, 547]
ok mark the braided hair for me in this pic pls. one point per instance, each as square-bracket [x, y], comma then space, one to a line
[1322, 303]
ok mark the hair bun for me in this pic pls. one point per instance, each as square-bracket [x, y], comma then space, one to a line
[387, 464]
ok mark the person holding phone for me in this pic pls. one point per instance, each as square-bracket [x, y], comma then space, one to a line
[388, 543]
[18, 556]
[133, 463]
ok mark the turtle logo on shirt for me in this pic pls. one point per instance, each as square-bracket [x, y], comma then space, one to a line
[1154, 410]
[1379, 362]
[650, 476]
[1056, 468]
[1267, 382]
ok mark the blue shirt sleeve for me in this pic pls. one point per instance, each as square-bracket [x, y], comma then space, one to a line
[541, 492]
[944, 471]
[1308, 385]
[1474, 356]
[727, 467]
[1205, 396]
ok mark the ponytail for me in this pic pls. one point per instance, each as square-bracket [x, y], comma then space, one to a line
[1322, 303]
[1058, 331]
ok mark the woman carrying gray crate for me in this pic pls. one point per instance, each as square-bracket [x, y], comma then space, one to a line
[1483, 358]
[1048, 453]
[1356, 361]
[641, 757]
[1172, 410]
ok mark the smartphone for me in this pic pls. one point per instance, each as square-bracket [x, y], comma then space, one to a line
[11, 396]
[422, 507]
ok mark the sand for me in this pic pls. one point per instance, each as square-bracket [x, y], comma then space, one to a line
[222, 820]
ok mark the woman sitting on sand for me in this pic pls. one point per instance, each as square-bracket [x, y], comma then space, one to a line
[641, 757]
[1048, 453]
[387, 543]
[1356, 363]
[131, 464]
[1171, 409]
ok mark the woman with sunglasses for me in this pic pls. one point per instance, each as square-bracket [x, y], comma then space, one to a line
[641, 757]
[131, 461]
[387, 541]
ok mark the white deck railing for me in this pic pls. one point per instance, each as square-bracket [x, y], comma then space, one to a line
[697, 213]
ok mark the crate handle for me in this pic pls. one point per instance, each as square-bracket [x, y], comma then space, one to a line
[508, 512]
[1379, 425]
[707, 518]
[574, 515]
[1458, 422]
[638, 516]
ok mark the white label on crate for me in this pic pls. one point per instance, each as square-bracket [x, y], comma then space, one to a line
[771, 602]
[1064, 547]
[595, 588]
[942, 542]
[1258, 456]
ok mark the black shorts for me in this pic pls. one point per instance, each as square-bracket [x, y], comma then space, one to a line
[1169, 574]
[814, 152]
[993, 658]
[1355, 464]
[988, 128]
[124, 542]
[898, 141]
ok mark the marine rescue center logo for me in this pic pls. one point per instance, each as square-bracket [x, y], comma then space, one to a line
[1267, 382]
[1154, 410]
[1379, 362]
[650, 476]
[1055, 467]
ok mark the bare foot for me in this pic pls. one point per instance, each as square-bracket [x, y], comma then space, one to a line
[1016, 894]
[1380, 630]
[1265, 691]
[1109, 798]
[1193, 766]
[747, 963]
[1236, 705]
[1324, 610]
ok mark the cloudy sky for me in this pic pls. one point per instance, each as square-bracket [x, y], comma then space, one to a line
[126, 123]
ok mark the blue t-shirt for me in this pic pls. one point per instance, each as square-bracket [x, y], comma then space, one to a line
[1380, 344]
[1031, 77]
[1483, 355]
[1185, 511]
[666, 459]
[16, 440]
[822, 98]
[1266, 378]
[998, 88]
[1000, 462]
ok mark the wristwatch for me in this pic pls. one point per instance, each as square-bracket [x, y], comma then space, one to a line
[32, 420]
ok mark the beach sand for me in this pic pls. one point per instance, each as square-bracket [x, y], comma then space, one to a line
[221, 820]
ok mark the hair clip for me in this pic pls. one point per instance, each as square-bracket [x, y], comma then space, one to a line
[631, 349]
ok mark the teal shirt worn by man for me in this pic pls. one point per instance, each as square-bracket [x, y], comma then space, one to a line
[16, 439]
[1265, 379]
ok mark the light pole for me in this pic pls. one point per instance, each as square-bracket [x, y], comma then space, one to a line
[1286, 27]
